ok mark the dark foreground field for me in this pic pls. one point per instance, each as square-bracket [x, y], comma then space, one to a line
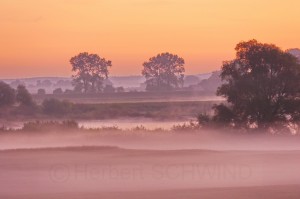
[110, 172]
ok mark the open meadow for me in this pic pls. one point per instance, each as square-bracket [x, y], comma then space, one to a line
[157, 106]
[208, 165]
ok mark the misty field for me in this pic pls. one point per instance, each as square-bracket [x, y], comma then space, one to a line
[145, 165]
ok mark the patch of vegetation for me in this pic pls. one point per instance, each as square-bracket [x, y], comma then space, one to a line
[40, 126]
[71, 126]
[186, 127]
[56, 107]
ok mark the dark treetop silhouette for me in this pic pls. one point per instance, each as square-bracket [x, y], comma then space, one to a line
[164, 72]
[23, 96]
[90, 71]
[261, 85]
[7, 95]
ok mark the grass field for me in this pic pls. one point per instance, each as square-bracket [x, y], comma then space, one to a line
[155, 110]
[183, 110]
[183, 105]
[131, 97]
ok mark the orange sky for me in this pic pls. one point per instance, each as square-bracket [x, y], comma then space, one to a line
[38, 37]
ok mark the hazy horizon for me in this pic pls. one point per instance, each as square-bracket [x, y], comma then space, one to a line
[70, 76]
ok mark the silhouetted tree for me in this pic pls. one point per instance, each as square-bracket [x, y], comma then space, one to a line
[164, 72]
[41, 91]
[56, 107]
[7, 95]
[212, 83]
[68, 91]
[44, 83]
[63, 83]
[261, 85]
[109, 89]
[14, 84]
[58, 91]
[78, 88]
[90, 71]
[120, 89]
[23, 96]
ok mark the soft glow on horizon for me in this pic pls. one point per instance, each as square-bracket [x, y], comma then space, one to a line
[38, 37]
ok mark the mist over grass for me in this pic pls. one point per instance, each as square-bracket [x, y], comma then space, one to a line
[193, 126]
[52, 134]
[68, 130]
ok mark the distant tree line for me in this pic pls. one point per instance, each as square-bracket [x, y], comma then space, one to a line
[21, 102]
[10, 96]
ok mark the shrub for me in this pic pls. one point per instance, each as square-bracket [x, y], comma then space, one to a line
[56, 107]
[139, 128]
[192, 126]
[50, 125]
[41, 91]
[120, 89]
[203, 120]
[109, 89]
[68, 91]
[58, 91]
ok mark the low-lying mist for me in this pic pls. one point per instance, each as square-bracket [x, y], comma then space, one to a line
[115, 163]
[152, 140]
